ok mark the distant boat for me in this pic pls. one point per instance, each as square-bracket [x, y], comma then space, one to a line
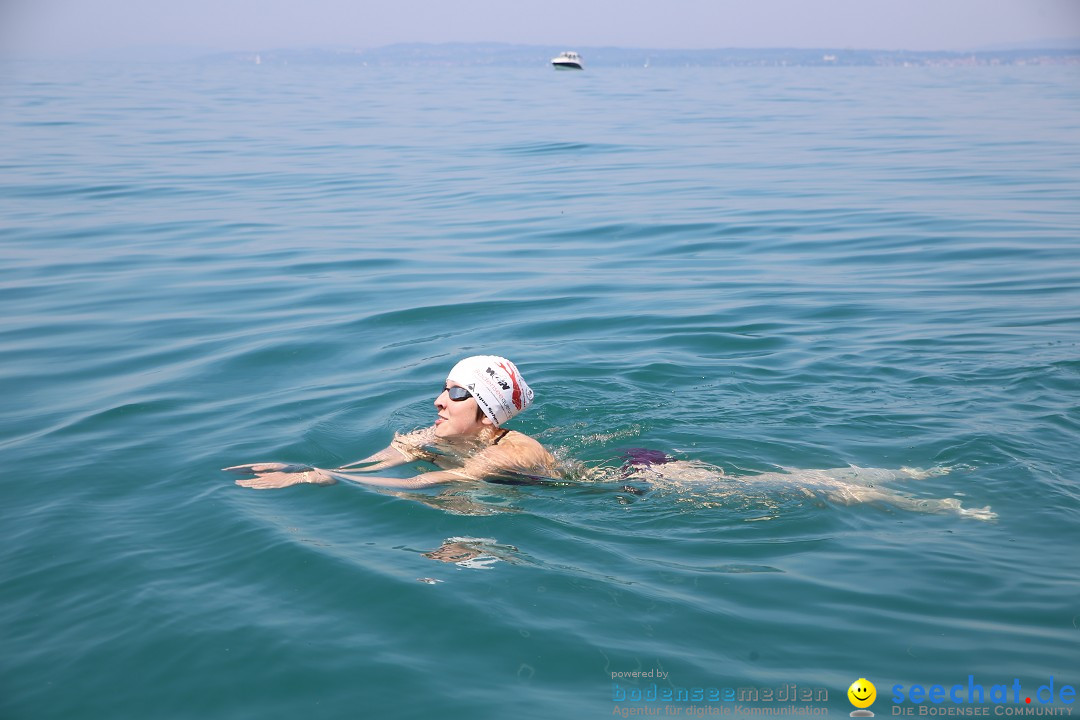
[568, 61]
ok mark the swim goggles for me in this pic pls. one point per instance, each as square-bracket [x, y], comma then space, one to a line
[457, 394]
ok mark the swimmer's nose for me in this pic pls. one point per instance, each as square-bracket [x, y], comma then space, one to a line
[440, 403]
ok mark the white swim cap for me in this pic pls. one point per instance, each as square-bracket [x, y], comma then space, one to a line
[495, 382]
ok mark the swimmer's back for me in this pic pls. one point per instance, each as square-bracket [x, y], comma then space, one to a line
[517, 452]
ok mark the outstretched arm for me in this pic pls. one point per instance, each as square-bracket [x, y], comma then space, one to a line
[270, 476]
[438, 477]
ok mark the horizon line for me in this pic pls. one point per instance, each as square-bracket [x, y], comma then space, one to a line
[182, 52]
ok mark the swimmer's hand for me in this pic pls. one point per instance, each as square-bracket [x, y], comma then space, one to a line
[270, 476]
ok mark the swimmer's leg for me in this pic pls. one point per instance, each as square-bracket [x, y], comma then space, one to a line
[871, 476]
[854, 494]
[941, 505]
[854, 484]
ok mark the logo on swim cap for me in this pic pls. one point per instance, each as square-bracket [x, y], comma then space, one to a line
[512, 372]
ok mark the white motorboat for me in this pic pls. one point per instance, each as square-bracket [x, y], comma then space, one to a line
[569, 60]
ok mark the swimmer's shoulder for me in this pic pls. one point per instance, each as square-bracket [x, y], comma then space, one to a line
[519, 451]
[522, 442]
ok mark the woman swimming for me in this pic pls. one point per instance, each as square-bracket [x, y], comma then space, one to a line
[468, 443]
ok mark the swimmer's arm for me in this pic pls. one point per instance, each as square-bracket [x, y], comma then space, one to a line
[270, 476]
[428, 479]
[492, 462]
[388, 457]
[403, 449]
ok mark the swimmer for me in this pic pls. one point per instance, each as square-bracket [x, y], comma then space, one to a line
[467, 442]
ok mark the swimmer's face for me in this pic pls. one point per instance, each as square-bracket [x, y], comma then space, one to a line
[458, 418]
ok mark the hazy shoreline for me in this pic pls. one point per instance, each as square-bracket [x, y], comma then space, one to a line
[509, 55]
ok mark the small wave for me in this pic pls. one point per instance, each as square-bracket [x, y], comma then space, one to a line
[555, 148]
[102, 192]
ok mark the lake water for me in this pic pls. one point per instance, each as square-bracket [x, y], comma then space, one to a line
[752, 270]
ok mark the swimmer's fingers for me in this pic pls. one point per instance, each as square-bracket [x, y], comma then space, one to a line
[258, 468]
[254, 468]
[274, 480]
[269, 482]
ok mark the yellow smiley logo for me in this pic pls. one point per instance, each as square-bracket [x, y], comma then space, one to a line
[862, 693]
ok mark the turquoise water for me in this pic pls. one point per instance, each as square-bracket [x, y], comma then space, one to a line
[750, 269]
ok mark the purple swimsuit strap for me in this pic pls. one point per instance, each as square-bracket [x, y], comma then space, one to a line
[644, 456]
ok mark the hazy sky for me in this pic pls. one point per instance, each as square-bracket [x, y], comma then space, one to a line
[57, 26]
